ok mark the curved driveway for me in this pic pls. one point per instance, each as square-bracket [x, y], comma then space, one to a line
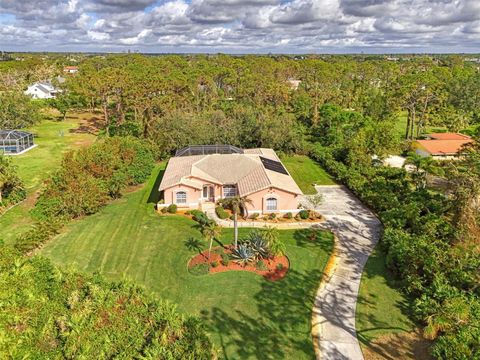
[358, 231]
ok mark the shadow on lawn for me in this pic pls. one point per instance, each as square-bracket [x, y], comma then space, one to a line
[375, 267]
[283, 331]
[154, 196]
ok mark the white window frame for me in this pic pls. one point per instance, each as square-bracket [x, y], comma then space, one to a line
[229, 188]
[176, 198]
[268, 206]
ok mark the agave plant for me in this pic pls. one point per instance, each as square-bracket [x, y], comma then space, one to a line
[243, 254]
[260, 248]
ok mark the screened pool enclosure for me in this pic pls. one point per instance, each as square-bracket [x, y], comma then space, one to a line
[15, 141]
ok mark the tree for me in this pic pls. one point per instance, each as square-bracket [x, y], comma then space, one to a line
[422, 167]
[238, 205]
[211, 231]
[11, 187]
[17, 110]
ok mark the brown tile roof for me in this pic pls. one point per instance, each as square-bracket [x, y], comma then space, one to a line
[448, 136]
[246, 170]
[443, 147]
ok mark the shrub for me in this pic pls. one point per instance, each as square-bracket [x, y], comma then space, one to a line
[254, 216]
[303, 214]
[221, 213]
[200, 269]
[272, 216]
[288, 215]
[232, 217]
[279, 266]
[172, 209]
[214, 264]
[225, 259]
[260, 265]
[200, 217]
[163, 210]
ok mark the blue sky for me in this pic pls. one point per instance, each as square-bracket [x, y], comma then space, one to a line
[235, 26]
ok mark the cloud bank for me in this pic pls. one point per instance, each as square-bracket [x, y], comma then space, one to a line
[235, 26]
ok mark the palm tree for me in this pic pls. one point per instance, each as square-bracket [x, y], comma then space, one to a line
[237, 204]
[211, 231]
[422, 166]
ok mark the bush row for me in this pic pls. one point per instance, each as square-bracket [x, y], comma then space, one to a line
[86, 181]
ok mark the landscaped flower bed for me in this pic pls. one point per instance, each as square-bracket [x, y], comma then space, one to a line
[272, 269]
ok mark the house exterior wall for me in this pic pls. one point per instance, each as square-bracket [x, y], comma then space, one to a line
[286, 202]
[193, 196]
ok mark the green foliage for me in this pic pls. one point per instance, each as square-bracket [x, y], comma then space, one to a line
[254, 216]
[12, 189]
[200, 269]
[172, 209]
[288, 215]
[260, 265]
[17, 110]
[303, 214]
[50, 313]
[214, 264]
[221, 213]
[225, 259]
[272, 216]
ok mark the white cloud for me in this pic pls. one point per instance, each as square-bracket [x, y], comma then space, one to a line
[241, 25]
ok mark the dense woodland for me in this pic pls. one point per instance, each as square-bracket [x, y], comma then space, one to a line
[344, 111]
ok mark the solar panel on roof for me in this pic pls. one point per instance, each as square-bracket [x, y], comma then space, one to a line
[273, 165]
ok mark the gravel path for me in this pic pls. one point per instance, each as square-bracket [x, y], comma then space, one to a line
[358, 231]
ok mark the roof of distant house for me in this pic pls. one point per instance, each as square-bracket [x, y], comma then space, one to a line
[443, 147]
[252, 171]
[448, 136]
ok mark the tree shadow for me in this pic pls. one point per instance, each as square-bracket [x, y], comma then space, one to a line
[283, 330]
[194, 244]
[312, 237]
[155, 194]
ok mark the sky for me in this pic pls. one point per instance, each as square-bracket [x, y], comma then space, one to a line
[241, 26]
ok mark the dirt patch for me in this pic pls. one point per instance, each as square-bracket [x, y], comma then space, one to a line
[408, 346]
[89, 123]
[276, 268]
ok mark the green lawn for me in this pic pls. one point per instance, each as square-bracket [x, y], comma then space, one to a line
[247, 316]
[53, 138]
[381, 308]
[306, 172]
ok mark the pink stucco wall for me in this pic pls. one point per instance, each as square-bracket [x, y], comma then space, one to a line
[286, 201]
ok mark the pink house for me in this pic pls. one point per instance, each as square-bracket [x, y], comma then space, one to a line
[198, 176]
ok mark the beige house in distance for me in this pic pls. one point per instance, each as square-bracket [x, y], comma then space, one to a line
[198, 176]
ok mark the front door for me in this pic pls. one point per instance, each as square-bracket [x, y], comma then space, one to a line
[209, 193]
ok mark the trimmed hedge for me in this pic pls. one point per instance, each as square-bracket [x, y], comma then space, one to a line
[221, 213]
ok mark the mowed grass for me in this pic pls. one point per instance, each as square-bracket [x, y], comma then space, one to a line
[306, 172]
[381, 308]
[53, 139]
[247, 316]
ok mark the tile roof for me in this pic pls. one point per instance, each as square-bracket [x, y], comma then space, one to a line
[443, 147]
[245, 170]
[448, 136]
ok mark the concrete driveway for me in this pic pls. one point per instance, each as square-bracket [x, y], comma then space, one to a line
[358, 231]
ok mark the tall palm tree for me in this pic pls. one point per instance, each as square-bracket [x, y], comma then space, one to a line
[237, 204]
[211, 231]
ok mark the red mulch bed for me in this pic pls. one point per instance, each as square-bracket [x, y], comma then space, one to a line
[271, 274]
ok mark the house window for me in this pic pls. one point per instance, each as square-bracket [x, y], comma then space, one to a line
[229, 191]
[181, 197]
[271, 204]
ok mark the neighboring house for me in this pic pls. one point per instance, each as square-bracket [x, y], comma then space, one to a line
[42, 90]
[70, 69]
[198, 176]
[442, 146]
